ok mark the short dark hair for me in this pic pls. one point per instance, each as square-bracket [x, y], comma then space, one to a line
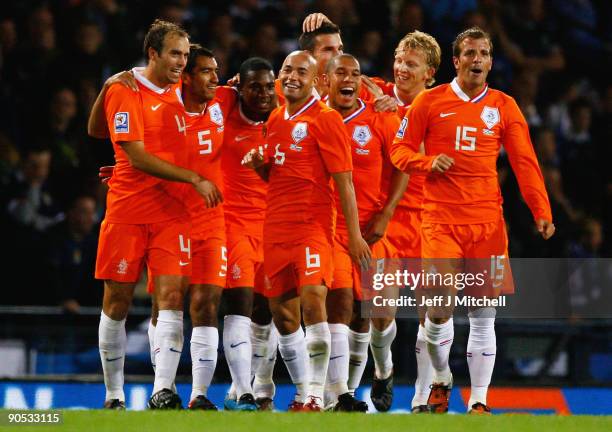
[195, 51]
[332, 62]
[307, 40]
[472, 33]
[254, 64]
[157, 33]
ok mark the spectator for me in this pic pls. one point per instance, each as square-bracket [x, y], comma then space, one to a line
[71, 256]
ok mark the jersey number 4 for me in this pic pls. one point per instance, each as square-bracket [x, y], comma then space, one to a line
[464, 138]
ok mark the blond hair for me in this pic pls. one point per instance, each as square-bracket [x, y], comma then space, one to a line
[427, 44]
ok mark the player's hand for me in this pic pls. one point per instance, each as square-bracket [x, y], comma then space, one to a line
[442, 163]
[385, 104]
[376, 227]
[125, 78]
[313, 22]
[545, 228]
[209, 191]
[371, 87]
[105, 173]
[360, 252]
[234, 81]
[253, 159]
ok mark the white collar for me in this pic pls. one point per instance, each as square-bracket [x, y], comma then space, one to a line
[145, 82]
[308, 104]
[463, 96]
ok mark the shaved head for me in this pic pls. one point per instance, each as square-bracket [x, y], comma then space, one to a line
[298, 76]
[302, 55]
[335, 60]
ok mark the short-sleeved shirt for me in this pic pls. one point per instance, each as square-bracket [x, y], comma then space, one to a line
[244, 194]
[472, 131]
[156, 117]
[371, 135]
[303, 150]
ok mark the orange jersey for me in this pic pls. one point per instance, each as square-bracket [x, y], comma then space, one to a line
[413, 197]
[371, 136]
[303, 149]
[204, 141]
[244, 192]
[471, 131]
[155, 116]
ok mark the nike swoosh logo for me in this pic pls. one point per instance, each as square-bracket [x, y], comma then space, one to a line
[113, 359]
[183, 264]
[155, 107]
[173, 350]
[240, 138]
[487, 354]
[335, 357]
[291, 359]
[446, 114]
[258, 356]
[315, 355]
[205, 360]
[308, 273]
[238, 344]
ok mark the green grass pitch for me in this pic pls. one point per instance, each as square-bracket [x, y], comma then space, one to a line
[173, 421]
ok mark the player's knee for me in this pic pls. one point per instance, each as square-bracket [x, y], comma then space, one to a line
[261, 311]
[381, 324]
[339, 304]
[239, 301]
[359, 324]
[170, 299]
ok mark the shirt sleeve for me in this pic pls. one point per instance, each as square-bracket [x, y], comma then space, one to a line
[334, 142]
[227, 98]
[391, 124]
[405, 149]
[524, 163]
[123, 109]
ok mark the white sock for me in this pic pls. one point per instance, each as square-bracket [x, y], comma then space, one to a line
[259, 345]
[237, 348]
[318, 341]
[338, 371]
[151, 334]
[358, 348]
[481, 352]
[292, 348]
[263, 385]
[204, 345]
[439, 340]
[380, 344]
[424, 370]
[111, 342]
[168, 348]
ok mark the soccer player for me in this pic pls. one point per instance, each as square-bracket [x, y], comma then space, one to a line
[307, 144]
[371, 135]
[417, 58]
[245, 206]
[145, 223]
[463, 126]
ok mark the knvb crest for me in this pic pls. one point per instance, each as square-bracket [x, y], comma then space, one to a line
[216, 115]
[490, 116]
[362, 135]
[299, 132]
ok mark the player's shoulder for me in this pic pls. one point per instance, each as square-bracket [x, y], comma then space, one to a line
[322, 112]
[119, 90]
[501, 98]
[430, 95]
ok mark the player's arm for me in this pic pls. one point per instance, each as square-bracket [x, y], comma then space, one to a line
[144, 161]
[375, 230]
[524, 163]
[358, 248]
[405, 153]
[96, 124]
[382, 102]
[255, 160]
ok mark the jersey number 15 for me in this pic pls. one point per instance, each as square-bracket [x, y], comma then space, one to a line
[464, 140]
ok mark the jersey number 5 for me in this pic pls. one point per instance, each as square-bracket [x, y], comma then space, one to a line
[463, 136]
[205, 143]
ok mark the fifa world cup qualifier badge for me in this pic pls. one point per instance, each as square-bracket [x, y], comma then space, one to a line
[299, 132]
[122, 122]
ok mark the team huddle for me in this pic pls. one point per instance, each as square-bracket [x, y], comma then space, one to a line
[277, 193]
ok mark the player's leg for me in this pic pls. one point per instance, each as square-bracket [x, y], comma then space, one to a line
[264, 340]
[286, 314]
[119, 263]
[237, 345]
[359, 340]
[481, 353]
[425, 370]
[383, 332]
[203, 309]
[112, 339]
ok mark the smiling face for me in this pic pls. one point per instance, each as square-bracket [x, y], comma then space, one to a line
[473, 63]
[411, 71]
[344, 76]
[257, 93]
[298, 76]
[202, 80]
[170, 62]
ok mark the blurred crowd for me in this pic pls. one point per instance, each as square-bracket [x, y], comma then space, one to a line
[553, 56]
